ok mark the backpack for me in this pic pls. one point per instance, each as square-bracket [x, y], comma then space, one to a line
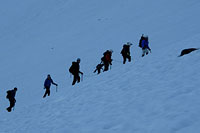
[9, 94]
[72, 68]
[140, 42]
[107, 56]
[127, 48]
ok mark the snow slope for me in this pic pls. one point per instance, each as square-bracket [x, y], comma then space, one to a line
[155, 94]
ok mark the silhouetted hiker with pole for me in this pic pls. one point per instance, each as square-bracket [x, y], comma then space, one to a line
[74, 70]
[47, 85]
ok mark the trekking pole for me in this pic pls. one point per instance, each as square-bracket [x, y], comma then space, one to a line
[81, 77]
[14, 105]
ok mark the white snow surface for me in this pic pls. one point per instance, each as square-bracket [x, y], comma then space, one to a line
[159, 93]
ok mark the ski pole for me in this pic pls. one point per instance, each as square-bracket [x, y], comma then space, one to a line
[56, 88]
